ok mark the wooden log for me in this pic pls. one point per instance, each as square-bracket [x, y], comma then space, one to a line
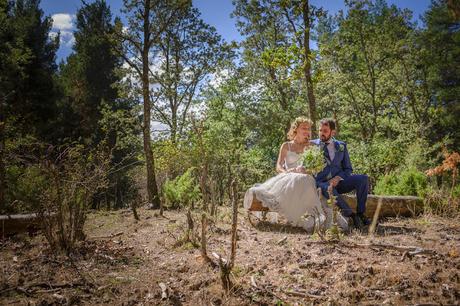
[392, 206]
[14, 224]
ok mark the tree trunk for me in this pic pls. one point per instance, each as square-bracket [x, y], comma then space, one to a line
[307, 67]
[2, 153]
[173, 126]
[234, 223]
[152, 189]
[204, 225]
[134, 208]
[118, 194]
[2, 167]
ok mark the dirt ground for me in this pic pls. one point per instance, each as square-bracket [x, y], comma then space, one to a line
[124, 262]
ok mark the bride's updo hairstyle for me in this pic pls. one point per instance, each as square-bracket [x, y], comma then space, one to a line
[295, 125]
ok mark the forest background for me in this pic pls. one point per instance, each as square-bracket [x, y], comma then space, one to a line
[77, 135]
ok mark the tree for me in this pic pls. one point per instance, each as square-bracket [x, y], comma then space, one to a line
[189, 50]
[360, 58]
[278, 40]
[99, 110]
[267, 55]
[27, 89]
[299, 15]
[439, 63]
[147, 20]
[90, 73]
[224, 138]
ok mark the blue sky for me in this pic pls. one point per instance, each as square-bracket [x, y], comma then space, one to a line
[214, 12]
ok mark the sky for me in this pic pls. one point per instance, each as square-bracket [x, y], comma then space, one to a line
[214, 12]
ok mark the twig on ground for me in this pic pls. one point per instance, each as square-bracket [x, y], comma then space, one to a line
[302, 294]
[376, 217]
[109, 236]
[282, 240]
[411, 250]
[253, 282]
[52, 287]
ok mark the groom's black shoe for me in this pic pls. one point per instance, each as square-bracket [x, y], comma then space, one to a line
[364, 219]
[357, 222]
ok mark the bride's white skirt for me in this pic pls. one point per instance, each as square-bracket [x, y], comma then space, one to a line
[295, 196]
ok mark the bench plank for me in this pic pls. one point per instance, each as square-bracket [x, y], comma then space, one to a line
[392, 206]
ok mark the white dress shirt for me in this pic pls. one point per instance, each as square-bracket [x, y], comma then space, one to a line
[331, 149]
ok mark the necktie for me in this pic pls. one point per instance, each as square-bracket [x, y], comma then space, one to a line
[326, 151]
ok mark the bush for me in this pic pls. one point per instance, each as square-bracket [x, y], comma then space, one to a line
[181, 191]
[439, 202]
[407, 182]
[382, 156]
[375, 158]
[456, 191]
[24, 184]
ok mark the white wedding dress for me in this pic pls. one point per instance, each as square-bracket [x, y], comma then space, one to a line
[294, 196]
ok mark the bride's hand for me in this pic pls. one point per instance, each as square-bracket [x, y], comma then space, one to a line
[301, 169]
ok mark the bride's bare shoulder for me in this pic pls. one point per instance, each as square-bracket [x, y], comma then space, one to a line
[286, 145]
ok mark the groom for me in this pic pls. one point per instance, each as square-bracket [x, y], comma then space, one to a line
[338, 174]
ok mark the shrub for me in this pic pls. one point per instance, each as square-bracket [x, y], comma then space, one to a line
[407, 182]
[375, 158]
[59, 183]
[181, 191]
[24, 183]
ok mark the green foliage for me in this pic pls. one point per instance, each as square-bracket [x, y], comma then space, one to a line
[456, 191]
[181, 191]
[100, 110]
[186, 42]
[377, 157]
[27, 65]
[407, 182]
[24, 186]
[257, 167]
[392, 85]
[58, 183]
[440, 60]
[94, 67]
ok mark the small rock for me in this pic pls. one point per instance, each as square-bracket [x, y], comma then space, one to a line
[58, 296]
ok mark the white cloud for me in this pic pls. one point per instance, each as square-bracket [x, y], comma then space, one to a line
[67, 38]
[64, 24]
[63, 21]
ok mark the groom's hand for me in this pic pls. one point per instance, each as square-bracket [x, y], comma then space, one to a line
[335, 181]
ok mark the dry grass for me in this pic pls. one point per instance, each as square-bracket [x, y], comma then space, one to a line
[274, 263]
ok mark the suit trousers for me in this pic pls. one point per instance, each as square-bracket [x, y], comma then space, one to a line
[357, 182]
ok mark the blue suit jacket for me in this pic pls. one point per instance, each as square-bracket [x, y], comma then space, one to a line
[339, 166]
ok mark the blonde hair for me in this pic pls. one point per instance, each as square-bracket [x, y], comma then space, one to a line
[295, 125]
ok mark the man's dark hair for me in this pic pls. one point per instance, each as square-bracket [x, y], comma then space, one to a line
[329, 122]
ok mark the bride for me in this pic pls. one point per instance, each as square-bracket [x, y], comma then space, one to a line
[293, 193]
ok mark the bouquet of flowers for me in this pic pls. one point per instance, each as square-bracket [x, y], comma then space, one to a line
[313, 159]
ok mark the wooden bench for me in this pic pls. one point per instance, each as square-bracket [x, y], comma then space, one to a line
[392, 206]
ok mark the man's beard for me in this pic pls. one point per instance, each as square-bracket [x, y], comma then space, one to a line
[324, 139]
